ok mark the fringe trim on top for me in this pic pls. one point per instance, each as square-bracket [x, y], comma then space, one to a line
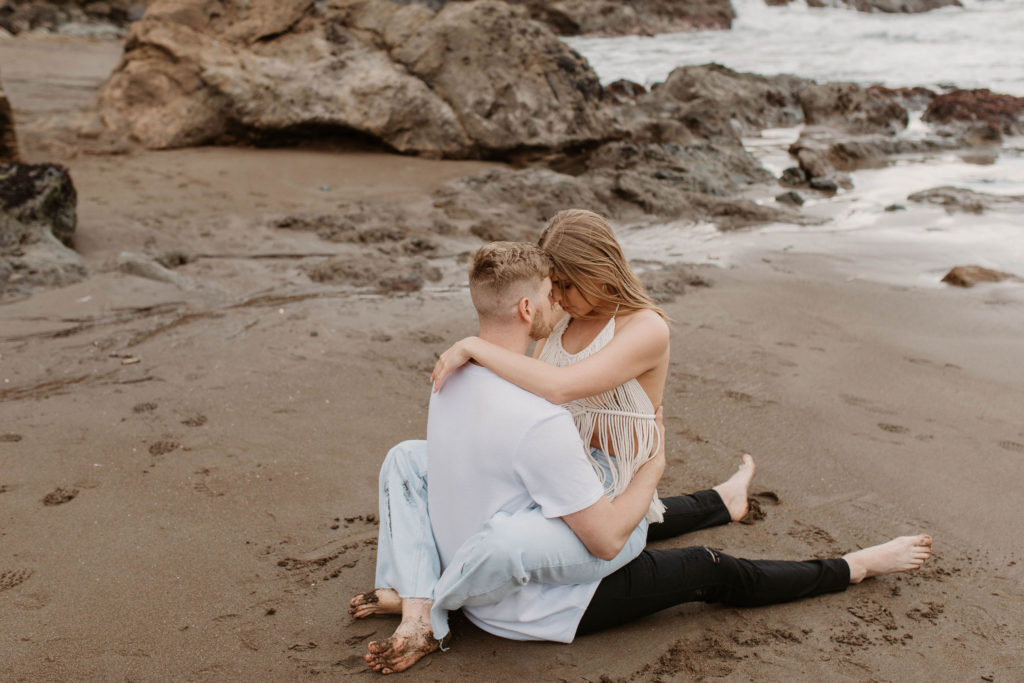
[623, 417]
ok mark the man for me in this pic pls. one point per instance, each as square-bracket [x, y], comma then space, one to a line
[495, 450]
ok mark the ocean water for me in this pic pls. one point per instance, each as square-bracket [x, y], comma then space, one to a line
[978, 46]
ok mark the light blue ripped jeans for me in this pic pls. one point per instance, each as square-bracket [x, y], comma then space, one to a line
[509, 552]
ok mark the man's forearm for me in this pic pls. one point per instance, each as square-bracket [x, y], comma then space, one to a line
[635, 501]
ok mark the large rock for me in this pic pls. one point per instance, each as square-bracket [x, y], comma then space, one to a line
[960, 109]
[849, 108]
[888, 6]
[617, 18]
[474, 79]
[8, 139]
[37, 224]
[713, 100]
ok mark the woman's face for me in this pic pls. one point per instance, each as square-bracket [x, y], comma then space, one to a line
[569, 297]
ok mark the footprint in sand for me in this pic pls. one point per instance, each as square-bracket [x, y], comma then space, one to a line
[144, 407]
[197, 420]
[59, 496]
[10, 438]
[892, 429]
[11, 578]
[1012, 446]
[755, 509]
[163, 447]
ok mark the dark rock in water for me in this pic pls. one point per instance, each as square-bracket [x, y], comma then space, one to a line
[712, 100]
[895, 207]
[791, 197]
[968, 276]
[813, 161]
[793, 176]
[868, 150]
[8, 139]
[638, 17]
[475, 79]
[955, 199]
[963, 107]
[849, 108]
[890, 6]
[824, 185]
[37, 224]
[911, 98]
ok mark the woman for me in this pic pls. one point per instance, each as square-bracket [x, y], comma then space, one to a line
[607, 361]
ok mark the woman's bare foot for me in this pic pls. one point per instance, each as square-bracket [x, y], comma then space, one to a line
[734, 490]
[412, 640]
[898, 555]
[379, 601]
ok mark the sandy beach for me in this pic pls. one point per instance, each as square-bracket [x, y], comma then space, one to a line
[188, 467]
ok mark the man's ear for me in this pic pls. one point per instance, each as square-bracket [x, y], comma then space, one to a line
[525, 309]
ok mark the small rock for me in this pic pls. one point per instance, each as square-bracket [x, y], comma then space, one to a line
[968, 276]
[792, 198]
[793, 176]
[824, 185]
[895, 207]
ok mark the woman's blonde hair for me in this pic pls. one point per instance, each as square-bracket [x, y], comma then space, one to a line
[583, 250]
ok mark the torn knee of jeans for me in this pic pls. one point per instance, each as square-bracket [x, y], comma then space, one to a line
[714, 555]
[406, 491]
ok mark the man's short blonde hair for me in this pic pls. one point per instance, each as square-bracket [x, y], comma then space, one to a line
[502, 273]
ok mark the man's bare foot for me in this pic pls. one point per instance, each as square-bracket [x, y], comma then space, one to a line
[734, 490]
[379, 601]
[412, 640]
[898, 555]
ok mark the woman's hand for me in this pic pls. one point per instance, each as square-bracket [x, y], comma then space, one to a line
[457, 355]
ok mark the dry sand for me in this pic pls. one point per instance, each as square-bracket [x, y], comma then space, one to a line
[206, 512]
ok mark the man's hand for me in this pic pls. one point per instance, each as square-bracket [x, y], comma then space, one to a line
[605, 526]
[457, 355]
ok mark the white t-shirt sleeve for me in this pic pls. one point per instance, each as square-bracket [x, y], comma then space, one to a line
[555, 468]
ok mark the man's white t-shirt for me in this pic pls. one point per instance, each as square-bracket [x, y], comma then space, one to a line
[493, 447]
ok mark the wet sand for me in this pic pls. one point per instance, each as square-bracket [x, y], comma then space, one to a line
[188, 471]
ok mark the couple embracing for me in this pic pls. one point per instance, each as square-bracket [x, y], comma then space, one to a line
[542, 470]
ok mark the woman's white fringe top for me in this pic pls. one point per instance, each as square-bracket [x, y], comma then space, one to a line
[623, 417]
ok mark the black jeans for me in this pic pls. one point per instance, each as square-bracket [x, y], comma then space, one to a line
[659, 579]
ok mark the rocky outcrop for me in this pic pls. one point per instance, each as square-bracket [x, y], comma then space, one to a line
[955, 199]
[640, 17]
[628, 182]
[8, 138]
[964, 110]
[888, 6]
[37, 224]
[474, 79]
[968, 276]
[712, 100]
[849, 108]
